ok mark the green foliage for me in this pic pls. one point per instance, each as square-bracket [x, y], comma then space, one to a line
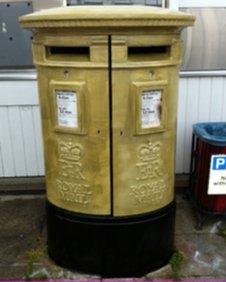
[222, 232]
[34, 256]
[176, 263]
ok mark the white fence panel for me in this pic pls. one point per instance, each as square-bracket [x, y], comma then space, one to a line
[182, 98]
[201, 99]
[21, 151]
[204, 99]
[15, 93]
[29, 140]
[38, 140]
[16, 137]
[7, 157]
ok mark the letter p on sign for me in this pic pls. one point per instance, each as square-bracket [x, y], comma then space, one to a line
[219, 163]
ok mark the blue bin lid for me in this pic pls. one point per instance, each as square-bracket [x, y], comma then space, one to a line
[213, 133]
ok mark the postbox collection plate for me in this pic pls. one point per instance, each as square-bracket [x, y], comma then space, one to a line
[151, 108]
[67, 108]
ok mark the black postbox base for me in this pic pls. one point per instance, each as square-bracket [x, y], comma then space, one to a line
[111, 247]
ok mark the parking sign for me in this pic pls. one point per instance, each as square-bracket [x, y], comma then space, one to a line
[217, 175]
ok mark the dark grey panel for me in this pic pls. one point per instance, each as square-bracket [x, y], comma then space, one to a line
[205, 42]
[15, 42]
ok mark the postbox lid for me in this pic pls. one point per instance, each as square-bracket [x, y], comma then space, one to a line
[213, 133]
[106, 16]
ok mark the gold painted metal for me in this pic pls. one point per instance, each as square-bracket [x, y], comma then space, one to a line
[117, 17]
[71, 52]
[76, 159]
[143, 160]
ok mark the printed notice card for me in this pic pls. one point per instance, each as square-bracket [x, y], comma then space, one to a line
[67, 109]
[151, 109]
[217, 176]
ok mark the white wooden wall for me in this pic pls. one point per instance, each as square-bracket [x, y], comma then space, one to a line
[201, 99]
[21, 153]
[202, 96]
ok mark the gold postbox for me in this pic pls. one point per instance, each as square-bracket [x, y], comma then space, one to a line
[108, 79]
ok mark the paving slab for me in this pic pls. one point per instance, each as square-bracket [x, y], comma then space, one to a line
[23, 236]
[186, 219]
[21, 215]
[162, 273]
[204, 254]
[12, 271]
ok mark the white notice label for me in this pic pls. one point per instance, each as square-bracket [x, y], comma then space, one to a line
[67, 111]
[151, 108]
[217, 176]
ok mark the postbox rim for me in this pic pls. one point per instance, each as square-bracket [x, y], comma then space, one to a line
[106, 16]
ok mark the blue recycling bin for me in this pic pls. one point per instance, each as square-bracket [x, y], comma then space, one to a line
[208, 167]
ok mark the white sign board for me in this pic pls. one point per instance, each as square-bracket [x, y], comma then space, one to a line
[217, 176]
[151, 108]
[67, 111]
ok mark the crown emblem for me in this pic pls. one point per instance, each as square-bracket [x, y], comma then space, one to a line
[149, 152]
[69, 151]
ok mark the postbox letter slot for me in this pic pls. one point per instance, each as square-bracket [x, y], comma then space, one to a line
[68, 53]
[148, 53]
